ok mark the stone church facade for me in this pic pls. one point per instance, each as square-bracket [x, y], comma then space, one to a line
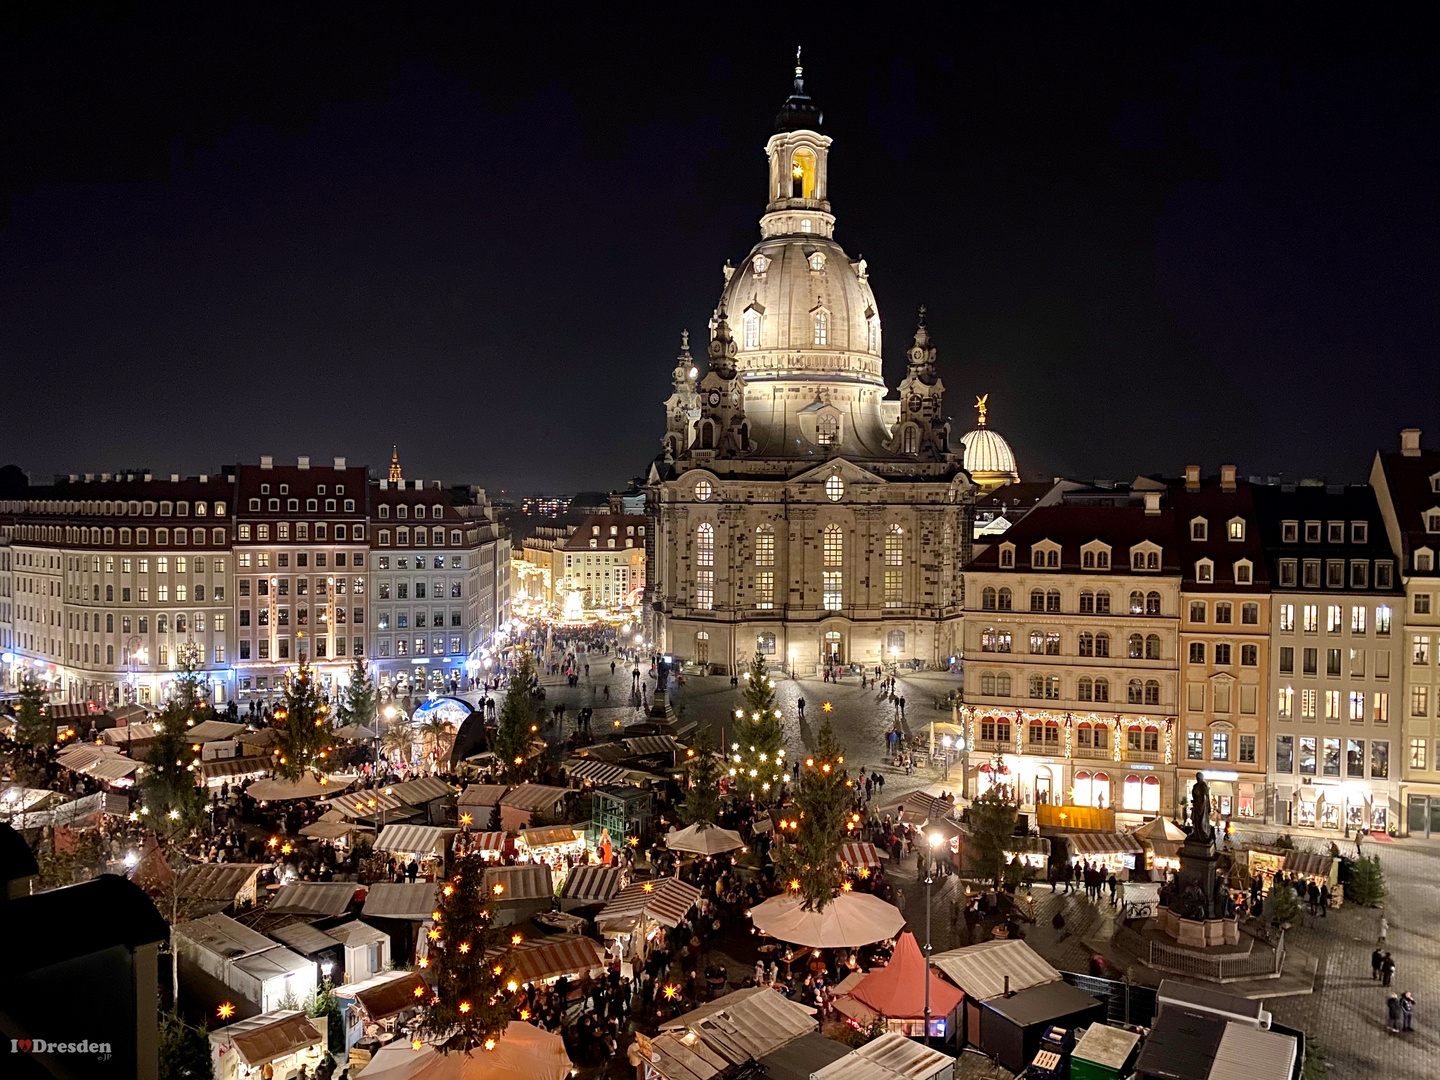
[796, 507]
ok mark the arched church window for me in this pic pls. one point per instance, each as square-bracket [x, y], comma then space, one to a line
[822, 327]
[832, 551]
[910, 440]
[752, 329]
[705, 566]
[894, 564]
[827, 430]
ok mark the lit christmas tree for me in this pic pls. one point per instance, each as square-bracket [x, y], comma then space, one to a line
[811, 860]
[757, 751]
[303, 724]
[474, 997]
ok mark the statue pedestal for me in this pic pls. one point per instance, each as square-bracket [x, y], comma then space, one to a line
[1198, 863]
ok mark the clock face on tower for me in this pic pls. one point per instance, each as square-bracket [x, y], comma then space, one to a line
[714, 398]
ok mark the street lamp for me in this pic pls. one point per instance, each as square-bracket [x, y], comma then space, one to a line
[935, 841]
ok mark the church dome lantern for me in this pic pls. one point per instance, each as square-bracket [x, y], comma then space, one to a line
[988, 457]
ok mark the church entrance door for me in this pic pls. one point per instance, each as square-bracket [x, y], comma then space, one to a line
[833, 651]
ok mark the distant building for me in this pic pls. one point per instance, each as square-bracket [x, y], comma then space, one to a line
[603, 560]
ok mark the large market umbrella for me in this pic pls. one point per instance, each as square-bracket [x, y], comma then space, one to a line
[704, 839]
[1161, 828]
[524, 1052]
[307, 787]
[850, 920]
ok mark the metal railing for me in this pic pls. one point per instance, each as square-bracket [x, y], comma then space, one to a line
[1265, 965]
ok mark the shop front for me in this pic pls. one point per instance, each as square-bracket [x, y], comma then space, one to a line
[1342, 807]
[1232, 795]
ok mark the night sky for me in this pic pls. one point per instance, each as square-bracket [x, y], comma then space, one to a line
[234, 230]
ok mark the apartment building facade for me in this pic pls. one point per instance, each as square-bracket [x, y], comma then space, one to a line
[1407, 489]
[105, 579]
[1336, 658]
[1071, 648]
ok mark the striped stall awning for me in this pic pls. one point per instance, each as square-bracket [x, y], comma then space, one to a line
[111, 767]
[235, 766]
[550, 957]
[598, 773]
[651, 745]
[859, 854]
[423, 840]
[667, 901]
[487, 841]
[1103, 844]
[591, 884]
[357, 803]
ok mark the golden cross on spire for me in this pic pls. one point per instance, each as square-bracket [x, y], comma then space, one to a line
[395, 475]
[981, 407]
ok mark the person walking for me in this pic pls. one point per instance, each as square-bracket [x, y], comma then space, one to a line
[1376, 958]
[1384, 928]
[1387, 969]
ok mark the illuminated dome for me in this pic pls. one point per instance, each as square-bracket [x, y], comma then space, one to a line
[988, 457]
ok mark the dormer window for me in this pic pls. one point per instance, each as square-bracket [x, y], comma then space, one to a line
[1289, 532]
[1359, 532]
[1424, 560]
[1432, 520]
[1045, 556]
[595, 530]
[817, 261]
[752, 328]
[1435, 482]
[1235, 529]
[1312, 532]
[1244, 572]
[1199, 529]
[1205, 572]
[761, 264]
[1007, 555]
[1335, 532]
[1095, 556]
[820, 323]
[827, 430]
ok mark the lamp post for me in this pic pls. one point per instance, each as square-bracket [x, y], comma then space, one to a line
[935, 840]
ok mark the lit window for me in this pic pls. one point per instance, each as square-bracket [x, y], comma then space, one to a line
[703, 490]
[705, 567]
[817, 261]
[822, 327]
[752, 329]
[832, 556]
[827, 430]
[834, 488]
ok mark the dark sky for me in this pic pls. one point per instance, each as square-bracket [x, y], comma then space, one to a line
[230, 230]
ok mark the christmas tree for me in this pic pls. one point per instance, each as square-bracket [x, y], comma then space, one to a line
[811, 861]
[702, 800]
[303, 723]
[474, 998]
[757, 752]
[992, 825]
[357, 708]
[517, 723]
[32, 726]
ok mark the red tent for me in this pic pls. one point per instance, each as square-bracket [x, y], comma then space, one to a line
[897, 990]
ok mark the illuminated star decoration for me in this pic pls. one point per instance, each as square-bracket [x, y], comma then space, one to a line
[225, 1011]
[827, 707]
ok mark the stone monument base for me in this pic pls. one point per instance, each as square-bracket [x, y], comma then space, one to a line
[1198, 933]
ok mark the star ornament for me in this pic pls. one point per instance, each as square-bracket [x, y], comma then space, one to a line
[827, 707]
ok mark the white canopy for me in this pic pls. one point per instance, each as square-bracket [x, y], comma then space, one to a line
[524, 1052]
[704, 839]
[1160, 828]
[307, 787]
[850, 920]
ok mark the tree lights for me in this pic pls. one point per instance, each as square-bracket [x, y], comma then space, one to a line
[812, 859]
[757, 755]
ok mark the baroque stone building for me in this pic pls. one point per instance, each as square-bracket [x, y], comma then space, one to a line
[796, 507]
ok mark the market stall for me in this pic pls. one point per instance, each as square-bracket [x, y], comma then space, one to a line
[518, 892]
[1266, 862]
[423, 843]
[1118, 852]
[285, 1041]
[889, 1057]
[858, 855]
[488, 845]
[638, 912]
[308, 786]
[1162, 839]
[587, 885]
[545, 959]
[897, 992]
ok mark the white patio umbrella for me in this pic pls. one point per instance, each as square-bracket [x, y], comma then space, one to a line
[524, 1052]
[850, 920]
[307, 787]
[704, 840]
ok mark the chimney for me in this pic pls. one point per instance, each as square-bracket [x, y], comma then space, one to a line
[1152, 503]
[384, 484]
[74, 478]
[267, 461]
[204, 478]
[304, 462]
[399, 485]
[339, 463]
[1007, 986]
[89, 477]
[148, 477]
[1410, 441]
[1227, 477]
[174, 477]
[105, 477]
[1192, 477]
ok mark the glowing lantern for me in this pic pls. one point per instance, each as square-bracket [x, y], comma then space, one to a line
[464, 1006]
[225, 1011]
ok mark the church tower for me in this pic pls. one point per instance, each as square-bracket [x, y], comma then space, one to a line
[796, 508]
